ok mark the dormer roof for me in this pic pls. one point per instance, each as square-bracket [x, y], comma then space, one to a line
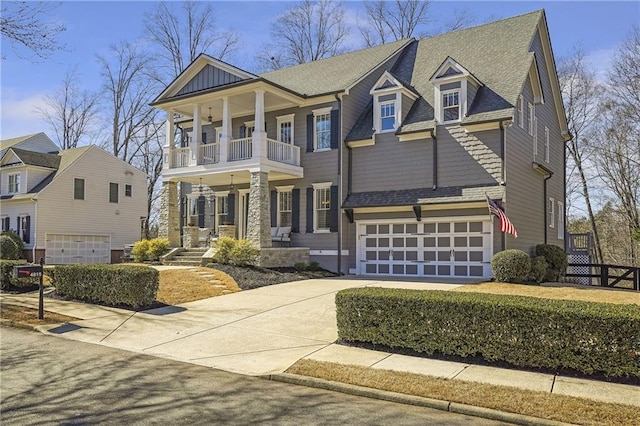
[451, 70]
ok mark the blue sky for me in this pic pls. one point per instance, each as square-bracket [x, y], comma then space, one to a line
[598, 26]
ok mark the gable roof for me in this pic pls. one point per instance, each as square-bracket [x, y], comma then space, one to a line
[32, 158]
[8, 143]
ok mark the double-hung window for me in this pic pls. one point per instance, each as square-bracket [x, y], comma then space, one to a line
[127, 190]
[561, 220]
[284, 205]
[113, 192]
[222, 209]
[551, 212]
[14, 183]
[546, 144]
[322, 207]
[322, 129]
[451, 106]
[530, 118]
[78, 189]
[387, 115]
[285, 128]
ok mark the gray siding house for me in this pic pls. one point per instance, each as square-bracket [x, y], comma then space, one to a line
[379, 161]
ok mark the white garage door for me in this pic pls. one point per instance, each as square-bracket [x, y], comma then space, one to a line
[451, 248]
[65, 249]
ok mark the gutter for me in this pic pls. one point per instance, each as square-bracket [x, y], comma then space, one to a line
[503, 173]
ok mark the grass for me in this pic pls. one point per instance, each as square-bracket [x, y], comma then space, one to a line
[20, 316]
[179, 286]
[531, 403]
[567, 291]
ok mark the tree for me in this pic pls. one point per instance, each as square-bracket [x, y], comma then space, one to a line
[388, 21]
[128, 90]
[182, 31]
[308, 31]
[23, 25]
[70, 112]
[581, 96]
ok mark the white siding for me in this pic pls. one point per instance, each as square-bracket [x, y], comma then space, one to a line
[59, 213]
[37, 143]
[15, 208]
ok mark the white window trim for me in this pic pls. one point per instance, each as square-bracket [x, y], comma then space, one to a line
[216, 215]
[377, 105]
[289, 118]
[530, 118]
[9, 176]
[521, 112]
[316, 113]
[446, 92]
[218, 131]
[282, 190]
[551, 213]
[560, 220]
[535, 135]
[316, 186]
[546, 144]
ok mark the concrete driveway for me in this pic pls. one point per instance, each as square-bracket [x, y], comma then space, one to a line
[254, 332]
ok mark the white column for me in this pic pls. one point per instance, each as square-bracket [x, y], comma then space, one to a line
[225, 139]
[259, 135]
[195, 136]
[170, 132]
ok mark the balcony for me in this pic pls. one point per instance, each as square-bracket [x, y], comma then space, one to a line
[237, 153]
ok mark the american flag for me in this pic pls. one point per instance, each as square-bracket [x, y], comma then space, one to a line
[505, 223]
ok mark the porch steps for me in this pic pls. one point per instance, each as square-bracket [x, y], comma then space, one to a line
[189, 257]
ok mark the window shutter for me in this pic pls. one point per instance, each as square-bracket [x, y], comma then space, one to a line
[204, 137]
[243, 131]
[5, 223]
[183, 212]
[18, 226]
[335, 128]
[333, 211]
[310, 133]
[274, 208]
[27, 230]
[295, 210]
[309, 210]
[231, 208]
[201, 211]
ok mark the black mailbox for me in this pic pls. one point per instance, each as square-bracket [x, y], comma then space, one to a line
[27, 271]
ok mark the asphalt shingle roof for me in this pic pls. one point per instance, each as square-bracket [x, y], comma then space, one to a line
[418, 196]
[32, 158]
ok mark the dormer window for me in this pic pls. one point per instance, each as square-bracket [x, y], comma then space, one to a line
[454, 90]
[451, 106]
[14, 183]
[388, 94]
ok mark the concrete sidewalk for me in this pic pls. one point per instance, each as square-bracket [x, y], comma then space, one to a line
[266, 330]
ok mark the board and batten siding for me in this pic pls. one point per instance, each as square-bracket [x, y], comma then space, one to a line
[59, 213]
[208, 77]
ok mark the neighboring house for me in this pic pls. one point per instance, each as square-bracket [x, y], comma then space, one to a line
[37, 142]
[80, 205]
[379, 160]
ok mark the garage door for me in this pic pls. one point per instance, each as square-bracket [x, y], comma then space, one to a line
[452, 248]
[66, 249]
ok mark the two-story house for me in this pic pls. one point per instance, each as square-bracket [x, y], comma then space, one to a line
[380, 160]
[80, 205]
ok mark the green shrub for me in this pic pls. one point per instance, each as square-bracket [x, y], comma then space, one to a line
[224, 246]
[140, 250]
[157, 247]
[510, 266]
[557, 261]
[128, 285]
[300, 266]
[6, 273]
[592, 338]
[243, 253]
[313, 266]
[15, 253]
[538, 269]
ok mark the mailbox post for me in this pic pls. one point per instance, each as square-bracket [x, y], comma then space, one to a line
[33, 271]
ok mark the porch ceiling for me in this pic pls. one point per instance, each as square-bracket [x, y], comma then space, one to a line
[240, 179]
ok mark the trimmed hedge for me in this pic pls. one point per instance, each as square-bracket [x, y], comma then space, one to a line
[11, 245]
[6, 274]
[128, 285]
[557, 261]
[510, 266]
[592, 338]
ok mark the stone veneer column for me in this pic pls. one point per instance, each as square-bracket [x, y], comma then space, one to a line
[169, 226]
[259, 222]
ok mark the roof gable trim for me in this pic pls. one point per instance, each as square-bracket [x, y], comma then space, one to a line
[450, 69]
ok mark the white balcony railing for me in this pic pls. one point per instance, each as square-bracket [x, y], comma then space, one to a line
[180, 157]
[240, 149]
[283, 152]
[209, 153]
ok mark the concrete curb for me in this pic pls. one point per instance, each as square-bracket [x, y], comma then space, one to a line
[437, 404]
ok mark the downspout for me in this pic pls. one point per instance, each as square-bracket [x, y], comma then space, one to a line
[503, 172]
[35, 232]
[435, 159]
[340, 142]
[544, 205]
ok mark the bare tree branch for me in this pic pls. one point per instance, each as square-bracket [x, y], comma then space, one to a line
[23, 25]
[309, 31]
[388, 21]
[70, 112]
[183, 31]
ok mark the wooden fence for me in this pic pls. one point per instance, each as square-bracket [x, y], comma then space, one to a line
[609, 275]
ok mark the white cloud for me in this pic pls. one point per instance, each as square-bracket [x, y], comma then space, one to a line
[600, 61]
[18, 114]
